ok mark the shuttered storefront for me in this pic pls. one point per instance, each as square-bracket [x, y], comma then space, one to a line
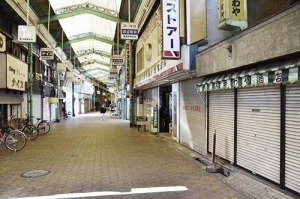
[221, 121]
[37, 104]
[46, 109]
[292, 155]
[192, 117]
[258, 131]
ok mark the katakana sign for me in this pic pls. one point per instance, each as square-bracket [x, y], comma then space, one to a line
[129, 31]
[17, 73]
[118, 60]
[171, 37]
[47, 54]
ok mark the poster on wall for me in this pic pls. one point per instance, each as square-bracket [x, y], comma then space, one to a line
[17, 73]
[171, 32]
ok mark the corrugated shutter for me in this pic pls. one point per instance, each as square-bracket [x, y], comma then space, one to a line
[37, 104]
[292, 152]
[192, 117]
[221, 121]
[46, 109]
[258, 131]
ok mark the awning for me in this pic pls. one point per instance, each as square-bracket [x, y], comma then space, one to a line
[259, 76]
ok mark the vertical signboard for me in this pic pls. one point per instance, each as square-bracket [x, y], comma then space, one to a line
[127, 62]
[17, 73]
[155, 118]
[232, 14]
[170, 29]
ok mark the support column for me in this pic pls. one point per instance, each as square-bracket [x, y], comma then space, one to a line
[58, 90]
[30, 83]
[73, 100]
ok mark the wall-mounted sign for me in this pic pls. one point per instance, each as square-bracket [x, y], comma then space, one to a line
[232, 14]
[2, 43]
[47, 54]
[129, 31]
[27, 34]
[171, 38]
[118, 60]
[17, 73]
[127, 63]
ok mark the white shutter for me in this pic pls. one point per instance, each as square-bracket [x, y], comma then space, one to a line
[292, 152]
[221, 121]
[46, 109]
[258, 131]
[37, 104]
[192, 117]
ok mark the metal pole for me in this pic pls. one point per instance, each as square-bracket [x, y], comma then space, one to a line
[214, 148]
[30, 83]
[73, 100]
[58, 89]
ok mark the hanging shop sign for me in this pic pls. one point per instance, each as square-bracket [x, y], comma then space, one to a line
[27, 34]
[118, 60]
[171, 38]
[47, 54]
[113, 72]
[232, 14]
[61, 67]
[17, 73]
[129, 31]
[127, 62]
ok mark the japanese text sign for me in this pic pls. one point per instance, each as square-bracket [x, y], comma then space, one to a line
[171, 25]
[118, 60]
[27, 34]
[17, 73]
[236, 9]
[129, 31]
[127, 63]
[47, 54]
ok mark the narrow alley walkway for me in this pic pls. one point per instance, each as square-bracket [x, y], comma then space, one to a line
[91, 158]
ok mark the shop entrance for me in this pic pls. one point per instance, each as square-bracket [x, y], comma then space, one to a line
[165, 108]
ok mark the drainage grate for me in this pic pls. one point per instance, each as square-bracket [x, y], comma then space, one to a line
[35, 173]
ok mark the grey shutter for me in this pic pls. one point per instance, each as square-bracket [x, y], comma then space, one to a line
[292, 153]
[258, 131]
[192, 117]
[221, 121]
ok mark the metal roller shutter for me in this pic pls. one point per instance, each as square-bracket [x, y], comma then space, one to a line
[292, 152]
[192, 117]
[37, 104]
[258, 131]
[221, 121]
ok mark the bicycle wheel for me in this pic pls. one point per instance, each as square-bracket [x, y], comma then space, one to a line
[15, 141]
[30, 131]
[44, 127]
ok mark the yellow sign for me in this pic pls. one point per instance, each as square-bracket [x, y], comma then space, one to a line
[236, 9]
[222, 14]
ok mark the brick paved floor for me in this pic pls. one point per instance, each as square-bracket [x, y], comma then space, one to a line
[88, 155]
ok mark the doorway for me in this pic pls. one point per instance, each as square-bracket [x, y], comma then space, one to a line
[165, 108]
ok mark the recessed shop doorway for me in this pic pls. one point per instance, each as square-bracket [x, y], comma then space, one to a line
[165, 108]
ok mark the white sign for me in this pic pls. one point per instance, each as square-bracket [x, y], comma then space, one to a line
[171, 37]
[27, 34]
[17, 73]
[61, 67]
[118, 60]
[47, 54]
[129, 31]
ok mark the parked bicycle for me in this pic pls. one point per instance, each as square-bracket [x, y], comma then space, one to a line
[42, 125]
[13, 140]
[115, 114]
[30, 131]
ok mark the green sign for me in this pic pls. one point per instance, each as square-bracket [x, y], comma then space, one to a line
[155, 118]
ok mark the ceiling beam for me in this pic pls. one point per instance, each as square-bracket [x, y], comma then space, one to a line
[90, 52]
[83, 9]
[87, 36]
